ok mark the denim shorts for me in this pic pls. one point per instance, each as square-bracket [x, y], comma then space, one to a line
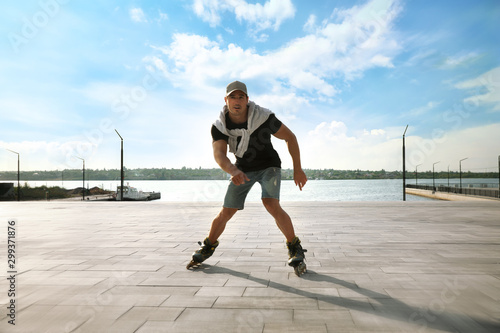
[269, 180]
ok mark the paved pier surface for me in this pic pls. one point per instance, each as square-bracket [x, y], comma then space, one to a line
[429, 266]
[447, 196]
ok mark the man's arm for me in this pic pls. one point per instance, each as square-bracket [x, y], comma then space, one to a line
[220, 155]
[299, 176]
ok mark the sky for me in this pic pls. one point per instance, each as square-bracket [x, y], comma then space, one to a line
[346, 77]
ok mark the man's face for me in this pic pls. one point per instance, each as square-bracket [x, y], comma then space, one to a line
[237, 102]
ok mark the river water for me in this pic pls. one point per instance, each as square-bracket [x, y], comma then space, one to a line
[315, 190]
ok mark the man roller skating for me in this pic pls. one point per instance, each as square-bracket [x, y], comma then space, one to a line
[247, 128]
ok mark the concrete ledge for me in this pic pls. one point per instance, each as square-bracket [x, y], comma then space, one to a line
[446, 196]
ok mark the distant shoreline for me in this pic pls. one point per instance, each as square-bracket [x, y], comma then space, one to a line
[218, 174]
[43, 192]
[213, 190]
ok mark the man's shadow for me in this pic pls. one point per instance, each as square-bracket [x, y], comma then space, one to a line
[380, 305]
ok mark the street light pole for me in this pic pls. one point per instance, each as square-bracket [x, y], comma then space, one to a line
[416, 174]
[404, 165]
[18, 174]
[122, 176]
[448, 176]
[433, 182]
[83, 191]
[460, 170]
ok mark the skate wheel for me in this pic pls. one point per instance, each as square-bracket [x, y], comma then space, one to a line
[193, 264]
[300, 269]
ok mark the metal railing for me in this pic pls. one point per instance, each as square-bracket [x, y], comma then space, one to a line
[483, 191]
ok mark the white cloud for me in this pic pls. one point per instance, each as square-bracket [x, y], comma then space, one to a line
[194, 60]
[137, 15]
[358, 39]
[489, 82]
[335, 131]
[151, 120]
[459, 60]
[479, 144]
[422, 56]
[261, 17]
[147, 142]
[48, 155]
[262, 38]
[331, 145]
[376, 132]
[267, 16]
[310, 25]
[379, 60]
[162, 16]
[285, 105]
[416, 112]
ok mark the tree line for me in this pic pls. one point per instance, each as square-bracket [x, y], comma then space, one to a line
[217, 174]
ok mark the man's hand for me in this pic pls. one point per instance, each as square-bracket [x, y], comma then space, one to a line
[239, 177]
[300, 178]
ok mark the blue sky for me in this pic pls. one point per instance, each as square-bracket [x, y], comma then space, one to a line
[345, 76]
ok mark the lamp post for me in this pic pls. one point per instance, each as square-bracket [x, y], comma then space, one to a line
[18, 175]
[433, 182]
[460, 171]
[448, 176]
[416, 174]
[83, 191]
[404, 165]
[122, 176]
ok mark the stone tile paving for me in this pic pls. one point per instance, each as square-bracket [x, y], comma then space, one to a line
[373, 267]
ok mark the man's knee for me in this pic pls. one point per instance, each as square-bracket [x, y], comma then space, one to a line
[272, 205]
[227, 213]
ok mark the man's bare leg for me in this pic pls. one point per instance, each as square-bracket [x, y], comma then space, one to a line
[281, 217]
[219, 223]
